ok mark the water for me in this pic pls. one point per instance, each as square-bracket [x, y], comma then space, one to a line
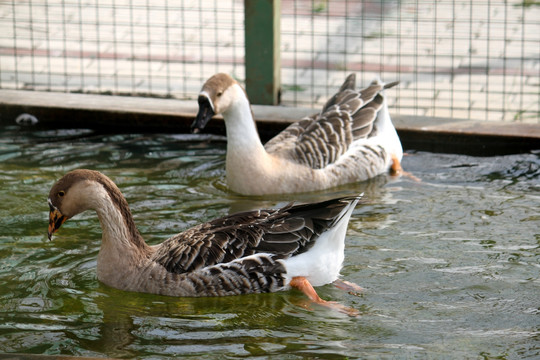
[451, 265]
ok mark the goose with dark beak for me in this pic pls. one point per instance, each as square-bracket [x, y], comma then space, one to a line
[297, 246]
[351, 139]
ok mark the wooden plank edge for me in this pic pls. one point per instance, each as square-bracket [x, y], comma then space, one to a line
[125, 114]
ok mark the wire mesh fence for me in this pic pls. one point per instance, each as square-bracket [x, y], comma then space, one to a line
[154, 48]
[460, 59]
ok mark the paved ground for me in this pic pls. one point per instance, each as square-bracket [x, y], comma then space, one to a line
[453, 59]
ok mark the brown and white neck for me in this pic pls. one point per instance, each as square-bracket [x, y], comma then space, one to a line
[121, 246]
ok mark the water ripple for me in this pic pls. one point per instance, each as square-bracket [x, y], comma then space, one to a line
[450, 265]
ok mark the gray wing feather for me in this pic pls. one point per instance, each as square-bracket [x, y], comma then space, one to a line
[288, 231]
[319, 140]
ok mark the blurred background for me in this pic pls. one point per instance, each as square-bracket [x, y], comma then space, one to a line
[469, 59]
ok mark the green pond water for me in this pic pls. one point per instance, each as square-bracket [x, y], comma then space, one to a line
[450, 265]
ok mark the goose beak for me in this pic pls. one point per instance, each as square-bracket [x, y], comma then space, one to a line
[206, 111]
[56, 219]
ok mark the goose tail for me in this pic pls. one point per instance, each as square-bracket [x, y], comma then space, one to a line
[321, 264]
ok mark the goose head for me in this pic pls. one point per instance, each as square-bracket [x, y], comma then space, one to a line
[75, 192]
[217, 95]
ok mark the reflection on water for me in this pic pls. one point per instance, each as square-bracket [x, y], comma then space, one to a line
[450, 264]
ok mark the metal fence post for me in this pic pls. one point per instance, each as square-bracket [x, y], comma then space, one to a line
[263, 59]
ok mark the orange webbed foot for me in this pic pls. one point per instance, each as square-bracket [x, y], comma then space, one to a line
[350, 287]
[302, 284]
[334, 305]
[396, 170]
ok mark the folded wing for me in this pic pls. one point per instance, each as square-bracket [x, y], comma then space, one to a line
[319, 140]
[281, 233]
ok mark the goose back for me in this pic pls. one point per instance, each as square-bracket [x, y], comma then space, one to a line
[321, 139]
[281, 233]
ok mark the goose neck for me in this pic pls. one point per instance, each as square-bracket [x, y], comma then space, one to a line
[117, 224]
[241, 127]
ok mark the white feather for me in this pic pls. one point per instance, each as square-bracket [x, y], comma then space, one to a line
[321, 264]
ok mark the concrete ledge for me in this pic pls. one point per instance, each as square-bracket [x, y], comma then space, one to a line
[121, 114]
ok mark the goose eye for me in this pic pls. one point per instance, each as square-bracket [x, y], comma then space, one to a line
[61, 193]
[219, 93]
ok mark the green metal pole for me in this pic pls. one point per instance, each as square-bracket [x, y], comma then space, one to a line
[263, 60]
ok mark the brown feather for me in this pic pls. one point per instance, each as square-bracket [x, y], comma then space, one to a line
[320, 140]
